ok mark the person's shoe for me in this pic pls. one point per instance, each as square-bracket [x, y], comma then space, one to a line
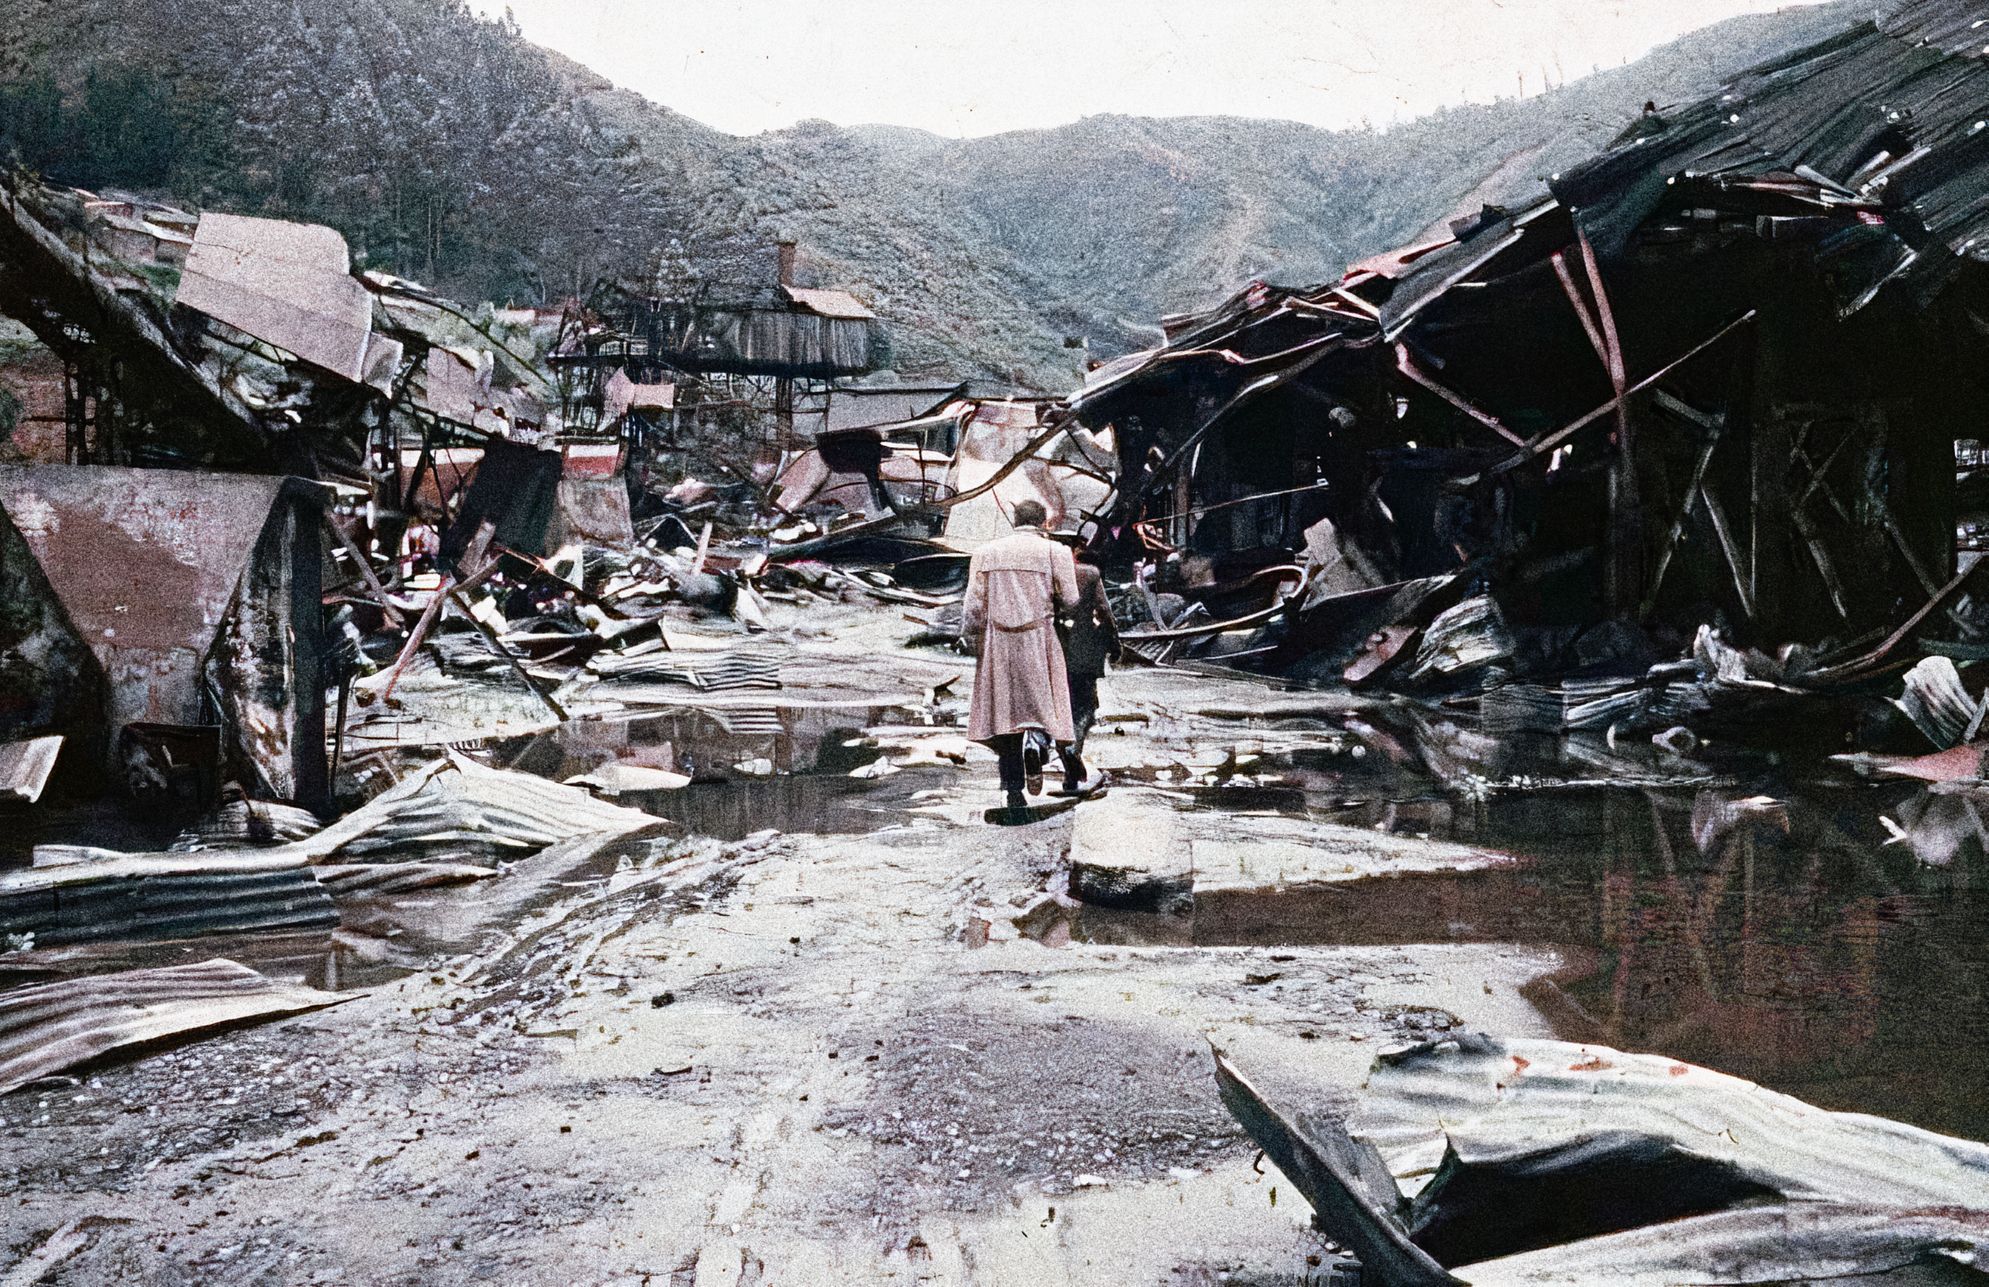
[1074, 776]
[1090, 784]
[1032, 763]
[1016, 800]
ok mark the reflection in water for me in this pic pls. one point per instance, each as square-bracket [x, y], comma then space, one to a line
[108, 823]
[751, 769]
[710, 744]
[1825, 940]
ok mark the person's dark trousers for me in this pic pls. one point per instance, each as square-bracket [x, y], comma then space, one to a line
[1008, 751]
[1083, 713]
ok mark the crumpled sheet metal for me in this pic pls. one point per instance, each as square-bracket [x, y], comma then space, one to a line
[992, 436]
[456, 809]
[289, 284]
[1811, 1242]
[1934, 698]
[1826, 109]
[1487, 1099]
[1545, 1162]
[740, 668]
[48, 1027]
[377, 880]
[25, 766]
[146, 563]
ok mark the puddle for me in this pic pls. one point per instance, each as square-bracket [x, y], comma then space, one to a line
[812, 804]
[106, 823]
[753, 769]
[706, 743]
[1789, 945]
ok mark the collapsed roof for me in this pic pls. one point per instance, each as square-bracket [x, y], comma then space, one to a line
[1749, 329]
[250, 345]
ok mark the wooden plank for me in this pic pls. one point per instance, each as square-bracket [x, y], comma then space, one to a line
[483, 628]
[1351, 1203]
[1626, 512]
[1731, 548]
[1820, 554]
[1879, 655]
[1887, 519]
[366, 574]
[1671, 539]
[1545, 443]
[1407, 366]
[1567, 279]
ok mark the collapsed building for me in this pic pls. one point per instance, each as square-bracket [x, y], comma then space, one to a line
[653, 365]
[236, 405]
[955, 472]
[1715, 377]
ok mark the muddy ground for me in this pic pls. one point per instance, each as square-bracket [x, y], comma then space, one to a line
[862, 1041]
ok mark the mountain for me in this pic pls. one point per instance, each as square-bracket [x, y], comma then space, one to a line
[449, 148]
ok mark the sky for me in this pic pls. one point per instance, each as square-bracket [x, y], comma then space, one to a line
[971, 67]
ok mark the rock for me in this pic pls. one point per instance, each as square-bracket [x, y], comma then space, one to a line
[1126, 854]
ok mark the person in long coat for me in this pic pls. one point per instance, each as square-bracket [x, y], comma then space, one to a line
[1015, 587]
[1091, 641]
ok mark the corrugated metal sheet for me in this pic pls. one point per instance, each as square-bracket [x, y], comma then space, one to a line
[1826, 1197]
[1892, 116]
[289, 284]
[52, 1026]
[78, 895]
[883, 409]
[748, 340]
[456, 810]
[738, 668]
[1819, 1242]
[371, 880]
[1485, 1099]
[1954, 28]
[1894, 113]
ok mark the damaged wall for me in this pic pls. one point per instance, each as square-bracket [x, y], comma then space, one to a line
[184, 585]
[50, 681]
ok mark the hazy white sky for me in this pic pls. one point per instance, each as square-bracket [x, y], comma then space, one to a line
[967, 67]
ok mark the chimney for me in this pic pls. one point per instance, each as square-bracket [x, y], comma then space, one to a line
[786, 262]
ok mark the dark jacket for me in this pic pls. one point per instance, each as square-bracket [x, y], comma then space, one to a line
[1093, 636]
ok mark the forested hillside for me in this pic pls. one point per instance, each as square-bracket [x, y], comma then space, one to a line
[448, 148]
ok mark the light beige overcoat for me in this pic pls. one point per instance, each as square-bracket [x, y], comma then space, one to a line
[1014, 587]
